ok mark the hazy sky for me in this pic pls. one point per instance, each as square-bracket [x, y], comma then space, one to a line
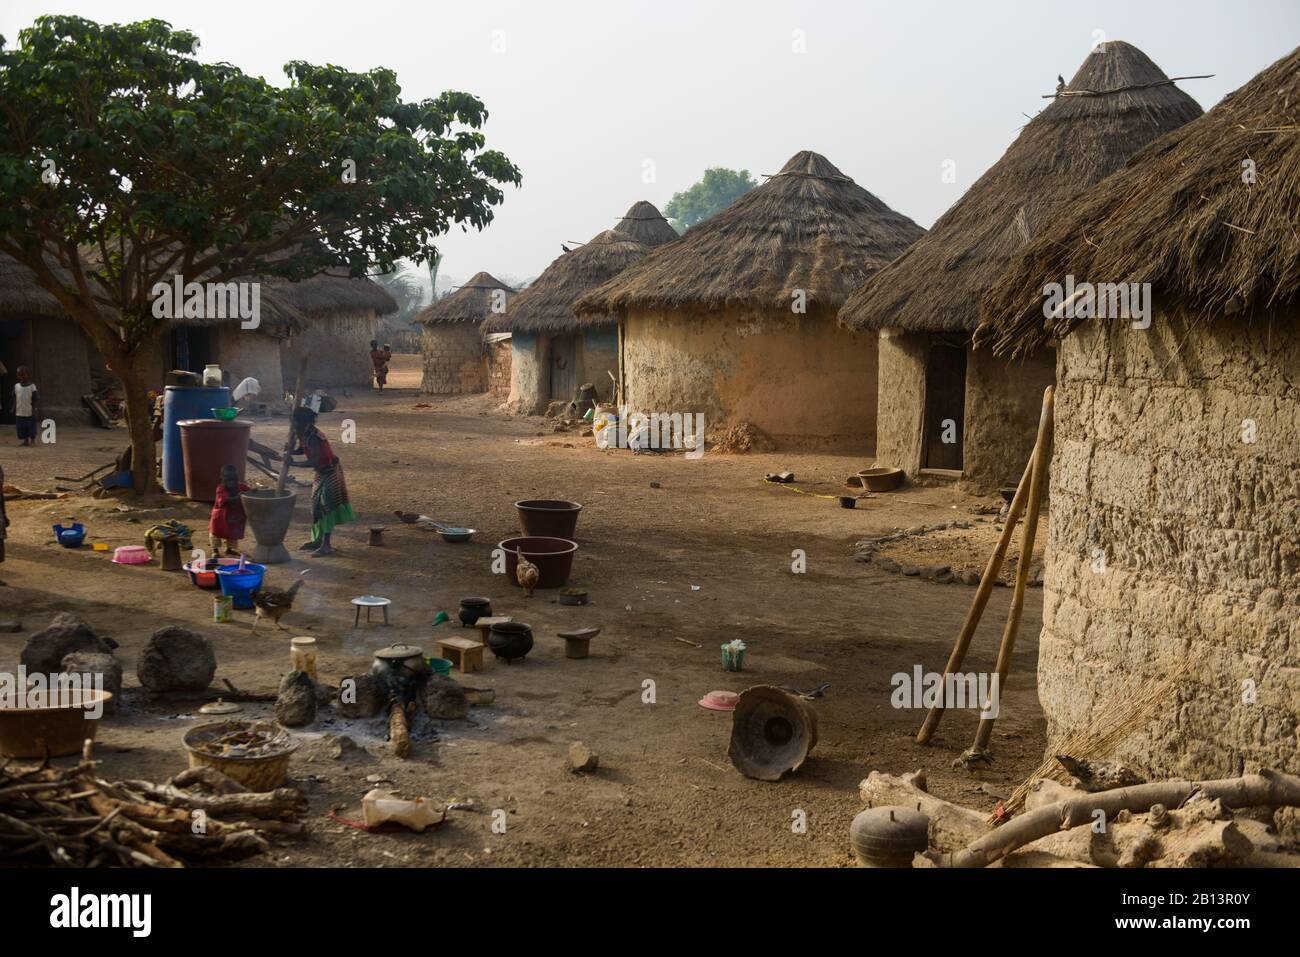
[604, 103]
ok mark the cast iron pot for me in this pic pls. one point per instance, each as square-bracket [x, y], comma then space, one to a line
[472, 609]
[546, 517]
[510, 639]
[552, 556]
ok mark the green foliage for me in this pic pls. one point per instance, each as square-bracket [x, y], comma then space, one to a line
[719, 188]
[157, 163]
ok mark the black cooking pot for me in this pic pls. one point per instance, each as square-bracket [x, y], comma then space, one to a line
[472, 609]
[510, 640]
[401, 668]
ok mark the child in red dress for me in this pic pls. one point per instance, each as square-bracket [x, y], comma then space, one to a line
[227, 524]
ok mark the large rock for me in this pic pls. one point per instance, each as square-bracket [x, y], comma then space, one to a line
[361, 696]
[176, 659]
[444, 698]
[45, 650]
[296, 705]
[93, 663]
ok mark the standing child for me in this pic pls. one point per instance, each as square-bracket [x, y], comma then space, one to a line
[227, 524]
[25, 401]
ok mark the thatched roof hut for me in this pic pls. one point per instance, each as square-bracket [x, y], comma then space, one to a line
[471, 303]
[644, 223]
[1078, 140]
[1208, 215]
[736, 319]
[456, 359]
[809, 227]
[948, 410]
[547, 304]
[1175, 480]
[20, 293]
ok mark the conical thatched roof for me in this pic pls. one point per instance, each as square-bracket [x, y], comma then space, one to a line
[1078, 140]
[1180, 216]
[329, 296]
[646, 225]
[547, 305]
[808, 227]
[472, 302]
[19, 292]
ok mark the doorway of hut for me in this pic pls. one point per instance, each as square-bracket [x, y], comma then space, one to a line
[564, 364]
[193, 347]
[945, 404]
[13, 336]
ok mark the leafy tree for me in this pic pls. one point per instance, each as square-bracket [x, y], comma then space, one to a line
[125, 161]
[719, 188]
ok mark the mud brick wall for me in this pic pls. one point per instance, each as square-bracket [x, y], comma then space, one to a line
[499, 368]
[340, 352]
[902, 400]
[804, 380]
[455, 361]
[1198, 532]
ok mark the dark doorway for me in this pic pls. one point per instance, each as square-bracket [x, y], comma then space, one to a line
[945, 404]
[13, 349]
[193, 347]
[564, 361]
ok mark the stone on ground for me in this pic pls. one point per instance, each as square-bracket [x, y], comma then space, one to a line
[176, 659]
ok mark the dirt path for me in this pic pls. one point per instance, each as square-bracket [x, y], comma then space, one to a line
[665, 793]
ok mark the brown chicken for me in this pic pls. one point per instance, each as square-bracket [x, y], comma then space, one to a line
[527, 574]
[272, 603]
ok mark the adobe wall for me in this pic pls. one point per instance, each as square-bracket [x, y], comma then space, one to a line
[1004, 401]
[805, 381]
[60, 364]
[244, 353]
[499, 369]
[1198, 532]
[901, 400]
[530, 358]
[339, 349]
[455, 360]
[599, 356]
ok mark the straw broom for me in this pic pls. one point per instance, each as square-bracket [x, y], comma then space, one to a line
[1118, 718]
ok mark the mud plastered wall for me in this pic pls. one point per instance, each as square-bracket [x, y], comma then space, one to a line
[901, 400]
[600, 357]
[1174, 537]
[1004, 402]
[60, 364]
[530, 358]
[803, 380]
[455, 360]
[339, 349]
[247, 353]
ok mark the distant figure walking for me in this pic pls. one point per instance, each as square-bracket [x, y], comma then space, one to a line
[330, 505]
[379, 358]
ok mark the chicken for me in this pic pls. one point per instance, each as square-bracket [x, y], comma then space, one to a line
[527, 575]
[272, 603]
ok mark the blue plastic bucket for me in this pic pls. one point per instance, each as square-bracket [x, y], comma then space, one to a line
[185, 402]
[240, 585]
[70, 537]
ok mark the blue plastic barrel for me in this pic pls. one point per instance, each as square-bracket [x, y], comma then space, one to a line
[185, 402]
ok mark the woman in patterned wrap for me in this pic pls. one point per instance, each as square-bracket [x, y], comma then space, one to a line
[330, 506]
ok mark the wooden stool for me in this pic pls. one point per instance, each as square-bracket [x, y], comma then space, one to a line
[465, 654]
[171, 554]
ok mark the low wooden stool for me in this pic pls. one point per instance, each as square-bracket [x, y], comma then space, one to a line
[465, 654]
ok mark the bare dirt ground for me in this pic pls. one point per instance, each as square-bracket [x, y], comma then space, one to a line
[665, 793]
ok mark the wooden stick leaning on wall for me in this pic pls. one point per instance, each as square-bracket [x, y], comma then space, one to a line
[1037, 486]
[981, 599]
[288, 443]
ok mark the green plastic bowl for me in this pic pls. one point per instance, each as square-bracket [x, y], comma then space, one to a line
[225, 415]
[439, 666]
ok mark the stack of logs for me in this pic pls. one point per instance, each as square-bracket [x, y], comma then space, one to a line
[70, 817]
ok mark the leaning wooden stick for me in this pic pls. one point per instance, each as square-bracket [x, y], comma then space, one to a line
[1037, 485]
[288, 443]
[990, 576]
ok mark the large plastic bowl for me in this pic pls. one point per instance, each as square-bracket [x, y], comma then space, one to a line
[45, 724]
[548, 518]
[240, 585]
[552, 556]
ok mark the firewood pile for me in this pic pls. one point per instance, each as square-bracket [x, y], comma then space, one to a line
[71, 817]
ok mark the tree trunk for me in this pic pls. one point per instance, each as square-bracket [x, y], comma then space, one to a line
[139, 373]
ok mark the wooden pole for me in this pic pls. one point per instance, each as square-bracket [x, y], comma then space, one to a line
[288, 443]
[987, 580]
[1037, 485]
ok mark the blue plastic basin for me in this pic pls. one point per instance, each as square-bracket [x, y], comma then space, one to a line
[240, 585]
